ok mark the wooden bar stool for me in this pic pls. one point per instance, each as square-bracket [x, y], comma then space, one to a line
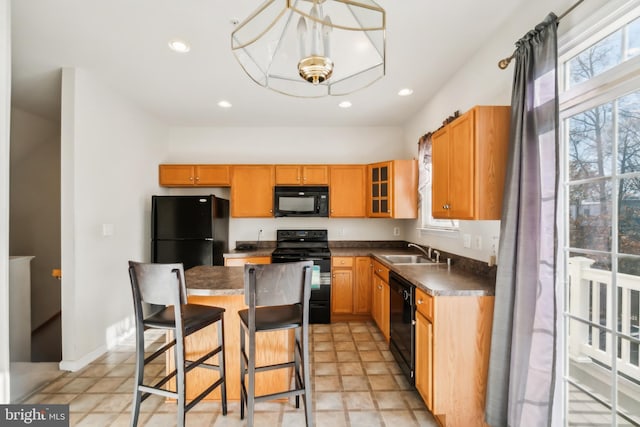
[278, 299]
[163, 286]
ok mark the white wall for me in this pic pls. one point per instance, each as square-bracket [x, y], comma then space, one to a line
[110, 152]
[5, 115]
[272, 145]
[480, 82]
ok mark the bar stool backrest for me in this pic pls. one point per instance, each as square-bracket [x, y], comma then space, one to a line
[277, 284]
[159, 284]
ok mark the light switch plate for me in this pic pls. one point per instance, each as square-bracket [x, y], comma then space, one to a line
[467, 240]
[107, 230]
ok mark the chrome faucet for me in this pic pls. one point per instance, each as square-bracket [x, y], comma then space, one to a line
[437, 256]
[421, 249]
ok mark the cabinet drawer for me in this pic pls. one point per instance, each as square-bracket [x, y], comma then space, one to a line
[237, 262]
[424, 304]
[342, 261]
[381, 270]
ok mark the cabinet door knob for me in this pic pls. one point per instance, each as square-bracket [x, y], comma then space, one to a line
[197, 178]
[190, 178]
[419, 301]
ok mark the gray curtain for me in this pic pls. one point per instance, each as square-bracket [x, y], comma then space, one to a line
[521, 368]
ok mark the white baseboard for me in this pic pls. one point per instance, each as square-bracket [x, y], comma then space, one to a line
[76, 365]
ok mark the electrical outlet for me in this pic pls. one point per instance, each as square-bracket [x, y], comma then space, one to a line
[466, 240]
[396, 231]
[477, 242]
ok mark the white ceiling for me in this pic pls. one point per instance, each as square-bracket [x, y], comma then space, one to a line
[123, 43]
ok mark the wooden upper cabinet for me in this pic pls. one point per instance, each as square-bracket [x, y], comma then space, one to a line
[347, 195]
[393, 189]
[252, 191]
[194, 175]
[469, 162]
[218, 175]
[302, 175]
[440, 174]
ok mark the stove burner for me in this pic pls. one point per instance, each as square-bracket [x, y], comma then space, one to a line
[303, 244]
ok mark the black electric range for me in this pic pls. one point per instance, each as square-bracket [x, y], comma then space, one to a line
[309, 245]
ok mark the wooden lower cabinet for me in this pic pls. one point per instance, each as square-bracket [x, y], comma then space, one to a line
[341, 285]
[380, 298]
[453, 337]
[350, 288]
[424, 359]
[362, 285]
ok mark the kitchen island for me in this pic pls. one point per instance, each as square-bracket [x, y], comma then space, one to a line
[224, 287]
[452, 314]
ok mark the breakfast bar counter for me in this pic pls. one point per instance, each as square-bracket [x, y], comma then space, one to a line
[224, 287]
[214, 280]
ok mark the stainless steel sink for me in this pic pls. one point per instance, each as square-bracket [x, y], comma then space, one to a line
[408, 259]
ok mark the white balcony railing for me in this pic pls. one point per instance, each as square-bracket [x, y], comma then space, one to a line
[588, 288]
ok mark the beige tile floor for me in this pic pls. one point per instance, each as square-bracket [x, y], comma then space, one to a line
[356, 382]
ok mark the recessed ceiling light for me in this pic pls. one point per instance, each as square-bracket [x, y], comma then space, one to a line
[224, 104]
[179, 46]
[405, 92]
[345, 104]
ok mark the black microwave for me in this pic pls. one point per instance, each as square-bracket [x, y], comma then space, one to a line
[301, 201]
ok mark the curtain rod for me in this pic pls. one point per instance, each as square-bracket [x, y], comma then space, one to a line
[504, 63]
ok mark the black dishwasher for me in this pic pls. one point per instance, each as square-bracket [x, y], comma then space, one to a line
[402, 324]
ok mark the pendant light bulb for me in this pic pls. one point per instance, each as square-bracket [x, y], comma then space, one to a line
[315, 31]
[302, 37]
[326, 36]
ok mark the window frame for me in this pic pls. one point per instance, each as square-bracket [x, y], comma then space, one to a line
[429, 224]
[608, 86]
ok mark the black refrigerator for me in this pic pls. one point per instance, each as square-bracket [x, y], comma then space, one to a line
[193, 230]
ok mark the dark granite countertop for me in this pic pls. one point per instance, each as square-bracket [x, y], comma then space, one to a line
[436, 280]
[441, 280]
[215, 280]
[236, 253]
